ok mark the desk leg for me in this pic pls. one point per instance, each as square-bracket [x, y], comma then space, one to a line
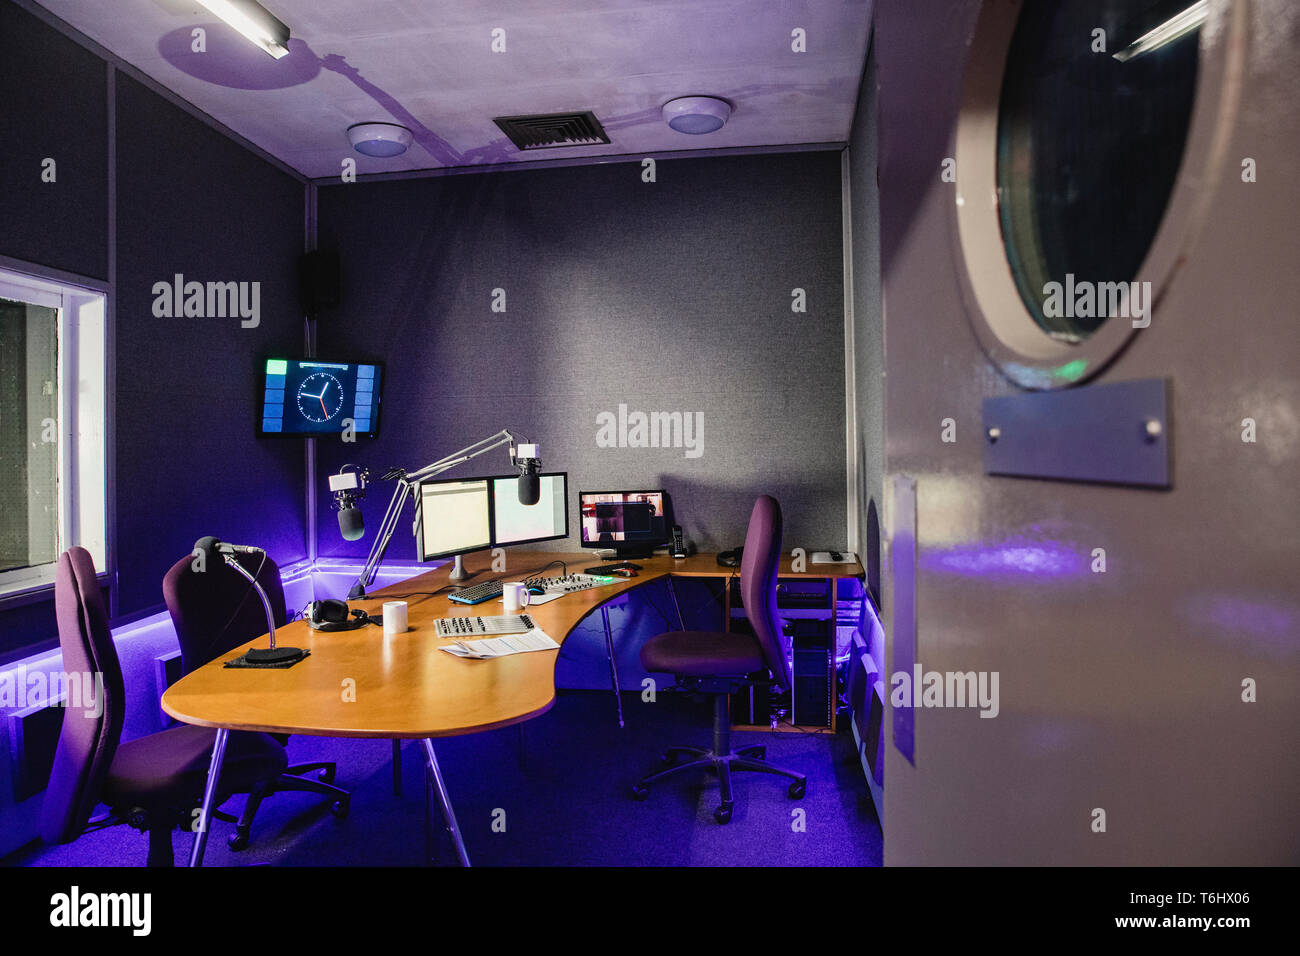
[397, 768]
[448, 814]
[726, 608]
[672, 590]
[613, 668]
[209, 796]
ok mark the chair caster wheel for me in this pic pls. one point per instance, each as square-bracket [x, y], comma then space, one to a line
[667, 759]
[758, 753]
[340, 808]
[639, 792]
[237, 841]
[723, 813]
[325, 775]
[797, 789]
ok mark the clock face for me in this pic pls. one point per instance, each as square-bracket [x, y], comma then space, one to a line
[320, 397]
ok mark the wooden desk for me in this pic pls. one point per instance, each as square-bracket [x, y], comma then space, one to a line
[362, 684]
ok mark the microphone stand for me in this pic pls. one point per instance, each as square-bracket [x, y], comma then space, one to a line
[408, 485]
[257, 655]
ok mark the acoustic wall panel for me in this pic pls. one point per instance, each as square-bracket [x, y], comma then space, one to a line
[567, 302]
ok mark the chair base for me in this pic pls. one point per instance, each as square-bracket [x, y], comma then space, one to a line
[291, 779]
[722, 760]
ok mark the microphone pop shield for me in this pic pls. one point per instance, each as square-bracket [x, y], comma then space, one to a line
[352, 524]
[530, 491]
[207, 545]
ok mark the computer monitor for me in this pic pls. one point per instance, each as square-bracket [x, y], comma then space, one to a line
[454, 518]
[632, 523]
[306, 397]
[513, 523]
[458, 516]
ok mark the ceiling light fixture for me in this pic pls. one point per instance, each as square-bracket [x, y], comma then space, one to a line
[379, 139]
[697, 114]
[253, 21]
[1169, 31]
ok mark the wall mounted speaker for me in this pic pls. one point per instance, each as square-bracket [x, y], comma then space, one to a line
[318, 280]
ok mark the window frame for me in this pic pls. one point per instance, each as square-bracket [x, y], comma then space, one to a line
[83, 419]
[1009, 336]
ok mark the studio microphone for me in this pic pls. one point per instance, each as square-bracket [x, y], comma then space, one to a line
[529, 465]
[349, 487]
[274, 656]
[352, 525]
[212, 546]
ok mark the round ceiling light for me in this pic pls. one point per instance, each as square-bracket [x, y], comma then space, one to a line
[696, 114]
[379, 139]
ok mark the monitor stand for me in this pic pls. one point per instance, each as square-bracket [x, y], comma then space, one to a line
[628, 554]
[458, 572]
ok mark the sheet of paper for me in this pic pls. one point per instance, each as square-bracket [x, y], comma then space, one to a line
[503, 646]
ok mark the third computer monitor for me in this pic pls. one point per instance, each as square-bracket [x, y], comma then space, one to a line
[460, 516]
[628, 522]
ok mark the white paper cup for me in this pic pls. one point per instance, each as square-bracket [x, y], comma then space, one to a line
[394, 617]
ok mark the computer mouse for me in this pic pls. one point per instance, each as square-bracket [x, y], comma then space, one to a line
[536, 589]
[836, 556]
[624, 572]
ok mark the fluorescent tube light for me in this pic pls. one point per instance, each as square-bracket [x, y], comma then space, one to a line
[253, 21]
[1169, 31]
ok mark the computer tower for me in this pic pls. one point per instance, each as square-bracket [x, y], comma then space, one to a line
[807, 607]
[749, 705]
[804, 594]
[812, 703]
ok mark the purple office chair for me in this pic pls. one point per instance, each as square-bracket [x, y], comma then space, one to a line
[155, 783]
[719, 664]
[215, 611]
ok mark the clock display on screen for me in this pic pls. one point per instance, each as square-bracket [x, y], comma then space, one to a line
[318, 397]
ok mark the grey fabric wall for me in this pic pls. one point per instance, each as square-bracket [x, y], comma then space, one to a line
[666, 296]
[193, 202]
[53, 94]
[868, 322]
[50, 87]
[189, 201]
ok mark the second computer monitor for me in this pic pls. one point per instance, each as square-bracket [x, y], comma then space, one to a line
[632, 523]
[460, 516]
[513, 523]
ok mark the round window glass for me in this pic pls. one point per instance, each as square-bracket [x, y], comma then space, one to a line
[1095, 107]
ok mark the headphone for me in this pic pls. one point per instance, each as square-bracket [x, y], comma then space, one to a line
[732, 558]
[331, 615]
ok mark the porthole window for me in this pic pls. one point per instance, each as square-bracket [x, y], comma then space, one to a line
[1092, 124]
[1089, 133]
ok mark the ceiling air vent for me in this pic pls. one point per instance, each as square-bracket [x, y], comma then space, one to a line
[552, 130]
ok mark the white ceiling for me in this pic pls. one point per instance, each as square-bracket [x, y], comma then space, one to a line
[428, 64]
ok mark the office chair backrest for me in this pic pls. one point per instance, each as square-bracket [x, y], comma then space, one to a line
[92, 723]
[216, 610]
[758, 570]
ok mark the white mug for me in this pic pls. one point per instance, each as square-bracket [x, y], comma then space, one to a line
[394, 618]
[514, 596]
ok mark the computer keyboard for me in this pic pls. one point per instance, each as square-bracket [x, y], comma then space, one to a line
[478, 626]
[476, 593]
[611, 568]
